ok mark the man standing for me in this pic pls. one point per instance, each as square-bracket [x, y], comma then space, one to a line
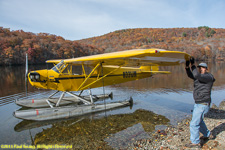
[203, 82]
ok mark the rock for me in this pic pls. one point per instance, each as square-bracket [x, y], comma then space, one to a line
[222, 105]
[214, 106]
[176, 137]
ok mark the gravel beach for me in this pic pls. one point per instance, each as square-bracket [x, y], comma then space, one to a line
[175, 137]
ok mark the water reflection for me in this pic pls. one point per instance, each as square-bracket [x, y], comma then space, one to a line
[166, 95]
[13, 79]
[100, 133]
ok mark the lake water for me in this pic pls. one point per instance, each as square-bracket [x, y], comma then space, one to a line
[158, 101]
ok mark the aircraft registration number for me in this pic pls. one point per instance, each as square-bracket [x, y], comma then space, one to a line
[129, 74]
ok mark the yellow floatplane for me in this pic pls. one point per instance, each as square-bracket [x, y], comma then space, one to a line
[85, 73]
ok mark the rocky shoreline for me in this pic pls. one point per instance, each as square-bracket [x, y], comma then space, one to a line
[176, 137]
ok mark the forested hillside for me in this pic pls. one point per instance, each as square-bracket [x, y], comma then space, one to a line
[203, 42]
[40, 47]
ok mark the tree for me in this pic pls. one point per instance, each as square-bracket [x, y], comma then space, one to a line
[184, 34]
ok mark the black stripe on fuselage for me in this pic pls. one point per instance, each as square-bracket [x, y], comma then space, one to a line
[66, 78]
[126, 74]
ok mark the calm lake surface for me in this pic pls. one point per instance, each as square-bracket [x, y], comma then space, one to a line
[158, 101]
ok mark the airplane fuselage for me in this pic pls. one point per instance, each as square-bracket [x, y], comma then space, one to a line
[102, 76]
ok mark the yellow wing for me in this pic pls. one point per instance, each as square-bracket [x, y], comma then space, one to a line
[136, 57]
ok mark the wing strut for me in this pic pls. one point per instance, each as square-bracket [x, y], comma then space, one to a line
[81, 88]
[96, 67]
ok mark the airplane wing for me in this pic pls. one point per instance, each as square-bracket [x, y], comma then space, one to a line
[136, 57]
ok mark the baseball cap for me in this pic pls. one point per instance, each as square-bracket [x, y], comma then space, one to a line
[203, 65]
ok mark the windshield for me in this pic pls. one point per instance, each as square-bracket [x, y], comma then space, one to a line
[59, 67]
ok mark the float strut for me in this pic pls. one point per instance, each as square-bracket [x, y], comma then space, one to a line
[53, 94]
[78, 97]
[61, 97]
[81, 92]
[49, 103]
[91, 96]
[49, 98]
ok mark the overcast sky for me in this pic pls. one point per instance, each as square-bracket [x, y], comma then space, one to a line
[79, 19]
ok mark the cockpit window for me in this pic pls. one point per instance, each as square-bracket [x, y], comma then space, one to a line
[59, 67]
[71, 69]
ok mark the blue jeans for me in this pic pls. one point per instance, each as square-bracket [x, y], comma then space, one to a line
[197, 124]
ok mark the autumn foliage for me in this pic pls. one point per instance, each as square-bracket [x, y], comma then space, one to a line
[40, 47]
[203, 42]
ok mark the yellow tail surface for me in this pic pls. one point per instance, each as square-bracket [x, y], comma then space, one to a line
[153, 70]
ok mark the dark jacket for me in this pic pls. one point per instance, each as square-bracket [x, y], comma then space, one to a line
[202, 85]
